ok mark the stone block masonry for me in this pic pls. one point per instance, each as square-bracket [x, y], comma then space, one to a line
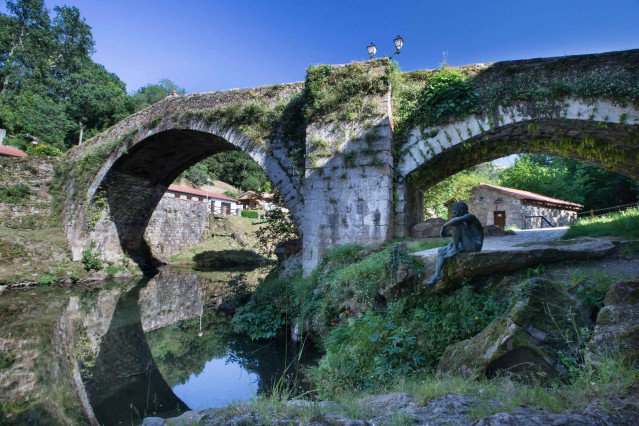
[177, 224]
[348, 181]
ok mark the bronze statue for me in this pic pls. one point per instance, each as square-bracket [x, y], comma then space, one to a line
[468, 236]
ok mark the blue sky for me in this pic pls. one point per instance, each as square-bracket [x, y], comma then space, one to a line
[214, 45]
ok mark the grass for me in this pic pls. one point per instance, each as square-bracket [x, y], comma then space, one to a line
[622, 224]
[427, 244]
[610, 379]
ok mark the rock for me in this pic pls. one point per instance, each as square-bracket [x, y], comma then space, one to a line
[387, 404]
[286, 249]
[496, 231]
[400, 284]
[447, 410]
[469, 265]
[523, 416]
[617, 329]
[428, 229]
[154, 421]
[526, 341]
[247, 419]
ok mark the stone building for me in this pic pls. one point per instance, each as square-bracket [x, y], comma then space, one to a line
[501, 206]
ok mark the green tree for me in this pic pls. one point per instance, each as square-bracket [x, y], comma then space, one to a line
[25, 40]
[457, 187]
[49, 86]
[96, 99]
[570, 180]
[152, 93]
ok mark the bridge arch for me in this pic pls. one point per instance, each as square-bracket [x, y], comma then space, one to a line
[135, 161]
[600, 131]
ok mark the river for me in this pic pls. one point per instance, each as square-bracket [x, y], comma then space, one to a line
[117, 351]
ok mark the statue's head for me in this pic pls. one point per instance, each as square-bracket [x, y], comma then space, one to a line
[459, 209]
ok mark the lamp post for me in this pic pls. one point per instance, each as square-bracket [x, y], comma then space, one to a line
[399, 43]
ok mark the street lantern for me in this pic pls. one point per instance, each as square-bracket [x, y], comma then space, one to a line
[372, 49]
[399, 42]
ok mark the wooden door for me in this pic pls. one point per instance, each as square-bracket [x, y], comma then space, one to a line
[500, 218]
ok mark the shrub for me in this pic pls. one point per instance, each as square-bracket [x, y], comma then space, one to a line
[251, 214]
[405, 339]
[91, 259]
[43, 150]
[14, 194]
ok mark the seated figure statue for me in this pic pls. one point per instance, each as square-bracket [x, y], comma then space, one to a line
[467, 233]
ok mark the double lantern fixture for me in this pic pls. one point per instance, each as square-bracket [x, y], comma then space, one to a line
[399, 42]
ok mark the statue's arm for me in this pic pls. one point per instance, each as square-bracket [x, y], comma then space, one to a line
[460, 219]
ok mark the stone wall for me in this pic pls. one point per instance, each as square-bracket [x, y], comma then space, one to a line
[557, 217]
[177, 224]
[35, 172]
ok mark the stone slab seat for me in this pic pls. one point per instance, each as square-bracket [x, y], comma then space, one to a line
[510, 259]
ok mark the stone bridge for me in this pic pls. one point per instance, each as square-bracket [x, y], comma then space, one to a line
[352, 148]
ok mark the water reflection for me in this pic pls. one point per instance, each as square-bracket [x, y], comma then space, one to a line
[168, 349]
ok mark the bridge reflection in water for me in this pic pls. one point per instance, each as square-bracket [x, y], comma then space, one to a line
[166, 352]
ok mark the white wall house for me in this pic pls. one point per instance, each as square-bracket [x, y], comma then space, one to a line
[220, 205]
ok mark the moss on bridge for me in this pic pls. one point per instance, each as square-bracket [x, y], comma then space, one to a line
[428, 99]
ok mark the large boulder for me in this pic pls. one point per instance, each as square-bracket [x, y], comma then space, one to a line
[469, 265]
[617, 330]
[526, 341]
[428, 229]
[496, 231]
[286, 249]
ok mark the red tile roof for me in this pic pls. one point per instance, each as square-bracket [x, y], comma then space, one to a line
[532, 196]
[199, 192]
[7, 151]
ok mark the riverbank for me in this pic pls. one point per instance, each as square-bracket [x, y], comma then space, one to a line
[384, 331]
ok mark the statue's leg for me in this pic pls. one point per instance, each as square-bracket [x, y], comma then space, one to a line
[439, 265]
[455, 246]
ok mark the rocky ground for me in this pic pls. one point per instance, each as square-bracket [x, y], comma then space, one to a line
[402, 409]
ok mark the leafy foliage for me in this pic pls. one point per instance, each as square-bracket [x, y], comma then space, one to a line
[91, 258]
[339, 93]
[457, 187]
[405, 339]
[234, 167]
[50, 87]
[43, 150]
[251, 214]
[278, 226]
[152, 93]
[14, 194]
[570, 180]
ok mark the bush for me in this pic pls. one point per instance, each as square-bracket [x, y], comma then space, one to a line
[405, 339]
[91, 259]
[43, 150]
[14, 194]
[251, 214]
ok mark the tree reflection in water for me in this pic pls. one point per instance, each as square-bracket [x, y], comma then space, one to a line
[144, 370]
